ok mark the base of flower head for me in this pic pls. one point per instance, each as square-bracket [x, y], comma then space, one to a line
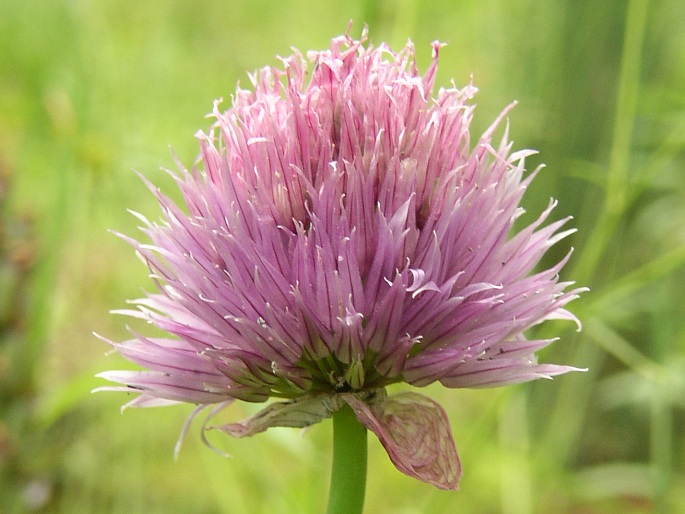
[330, 373]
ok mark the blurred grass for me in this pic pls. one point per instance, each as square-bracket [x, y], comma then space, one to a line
[89, 90]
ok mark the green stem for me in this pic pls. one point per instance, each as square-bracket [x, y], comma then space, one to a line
[618, 179]
[348, 479]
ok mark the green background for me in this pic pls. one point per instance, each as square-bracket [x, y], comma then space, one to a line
[91, 90]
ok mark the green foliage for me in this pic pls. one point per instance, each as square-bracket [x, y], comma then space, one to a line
[89, 90]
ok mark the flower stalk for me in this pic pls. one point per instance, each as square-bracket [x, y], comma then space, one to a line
[348, 478]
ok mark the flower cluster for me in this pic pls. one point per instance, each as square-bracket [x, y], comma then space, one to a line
[341, 234]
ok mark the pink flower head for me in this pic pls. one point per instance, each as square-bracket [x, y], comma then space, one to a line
[341, 234]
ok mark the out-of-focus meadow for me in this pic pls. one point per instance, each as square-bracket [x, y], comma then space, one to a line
[91, 90]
